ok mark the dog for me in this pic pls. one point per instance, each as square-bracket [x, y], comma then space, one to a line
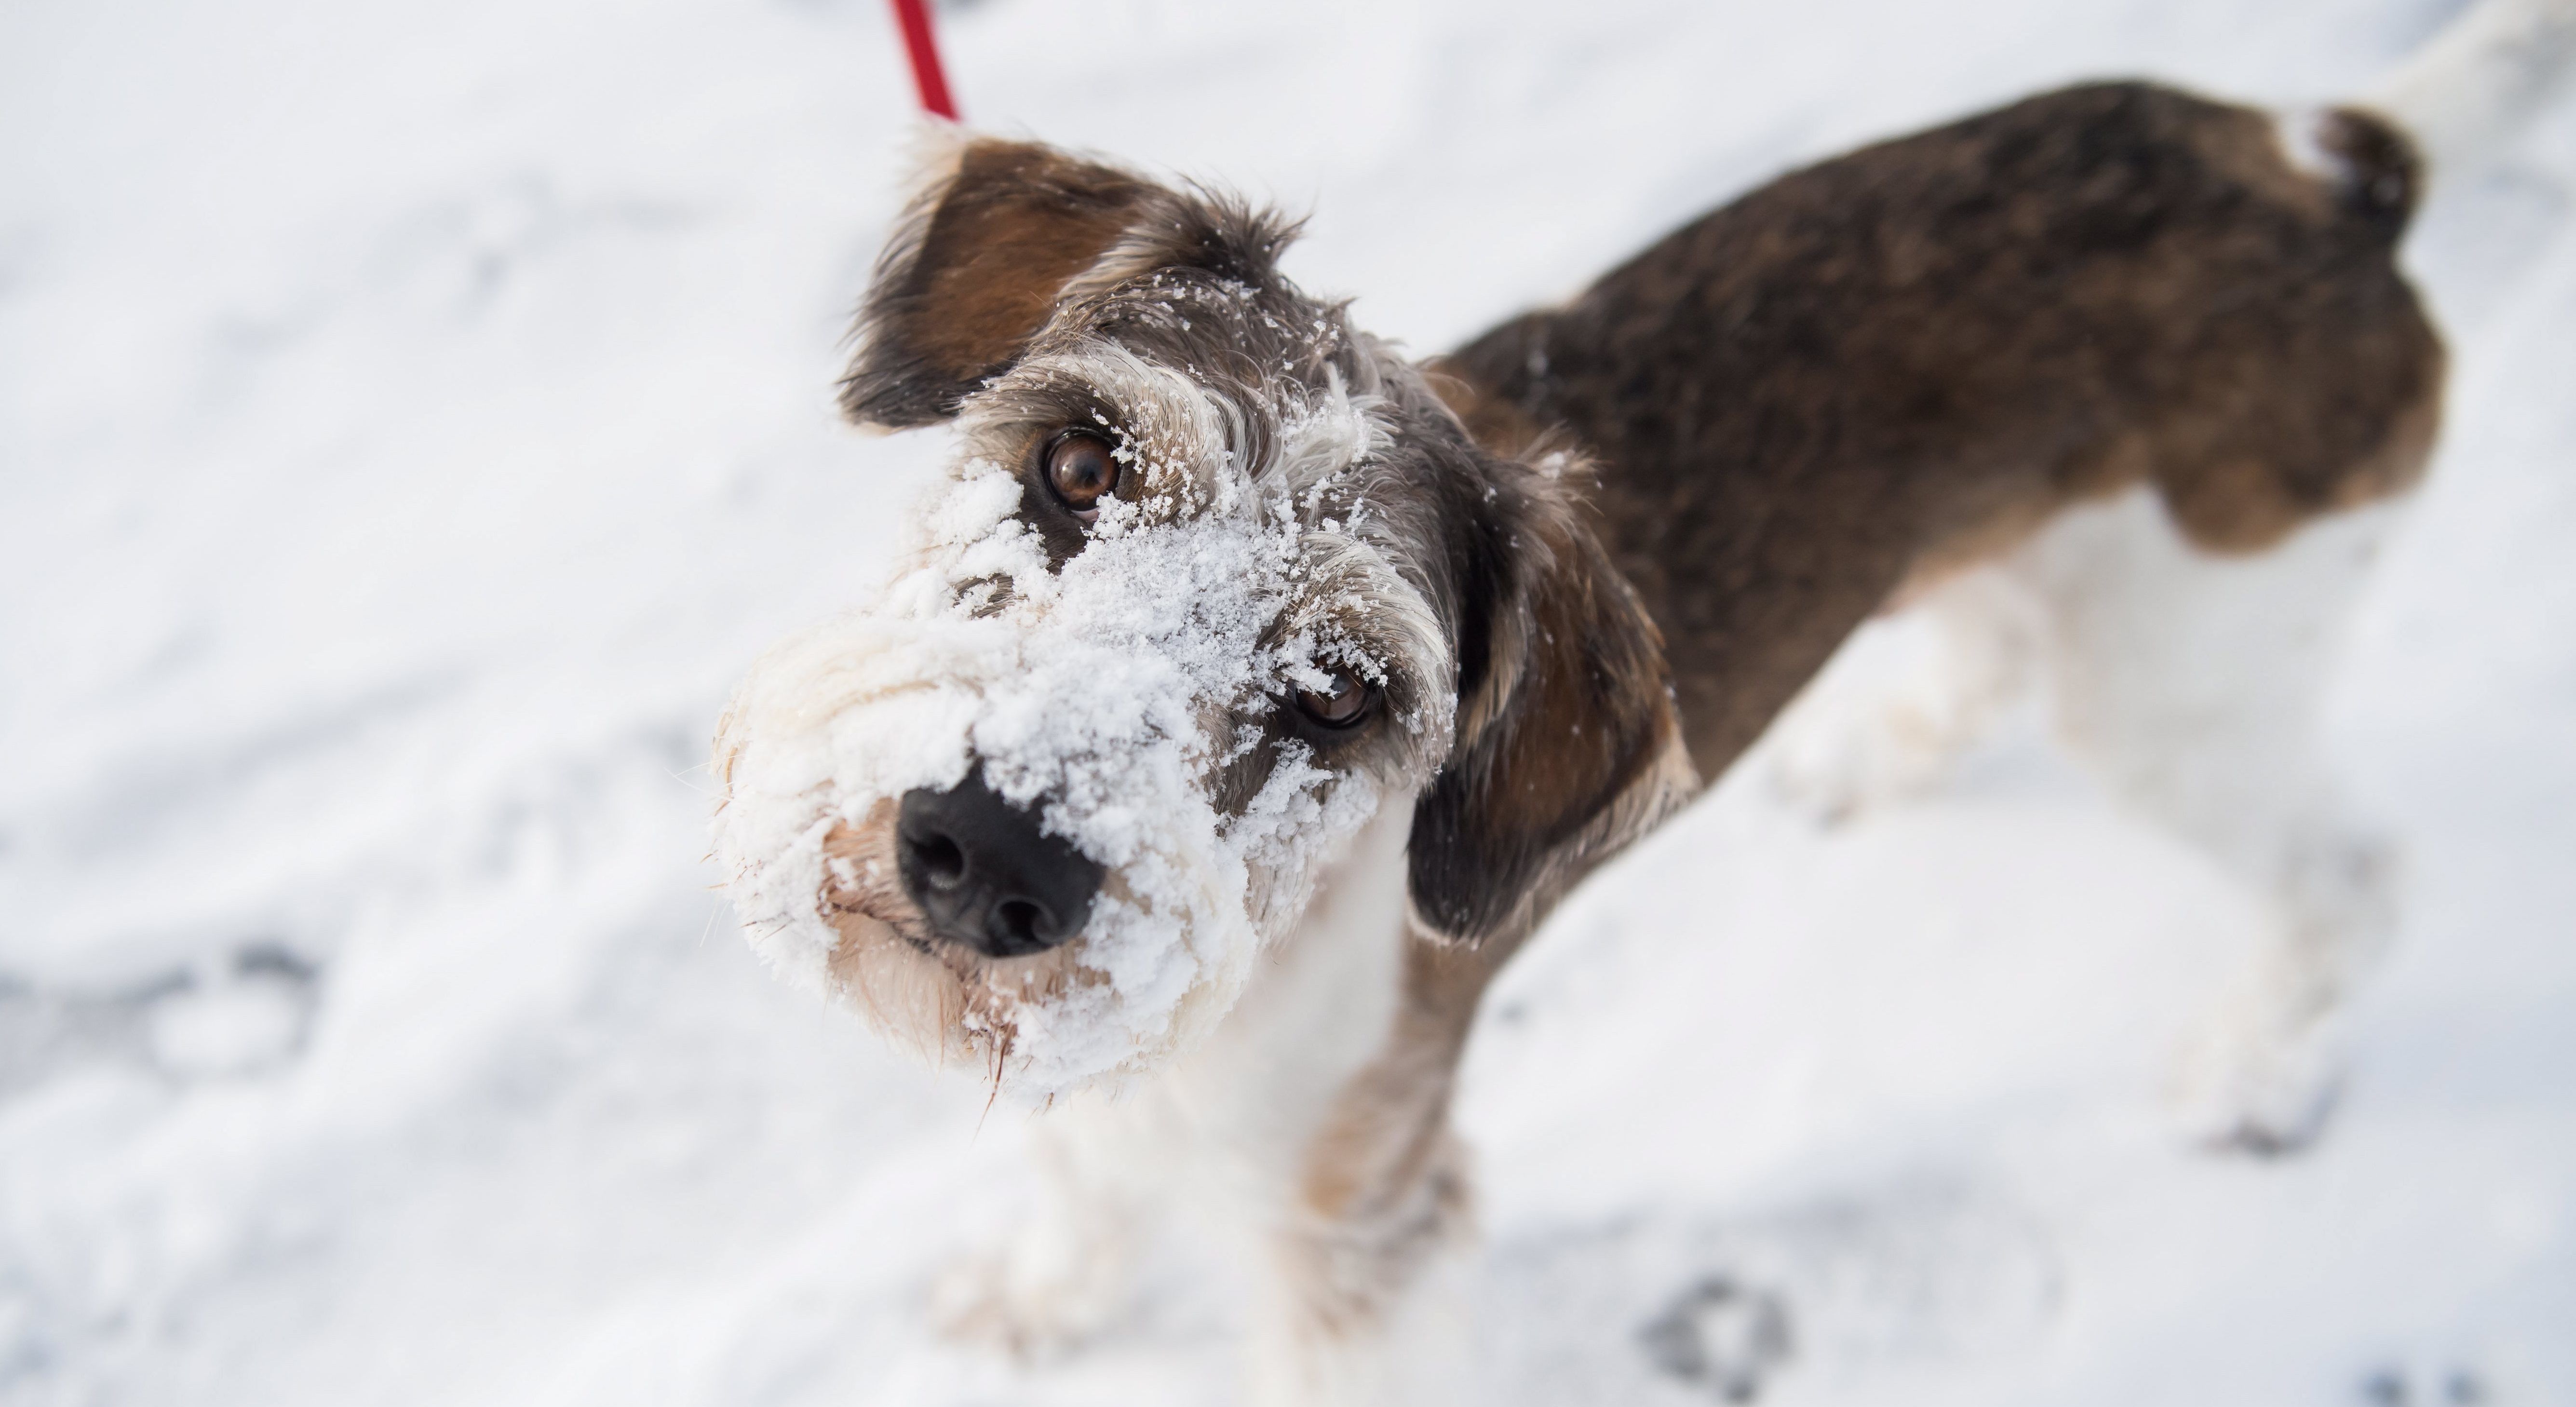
[1248, 693]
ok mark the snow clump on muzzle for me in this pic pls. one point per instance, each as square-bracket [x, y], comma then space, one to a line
[1100, 695]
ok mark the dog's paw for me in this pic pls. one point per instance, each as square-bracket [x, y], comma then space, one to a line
[1865, 740]
[2246, 1085]
[1036, 1298]
[1721, 1337]
[1830, 774]
[1832, 769]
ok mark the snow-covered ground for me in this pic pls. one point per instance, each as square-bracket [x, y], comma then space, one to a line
[413, 418]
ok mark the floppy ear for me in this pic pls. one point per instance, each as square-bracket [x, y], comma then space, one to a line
[973, 271]
[1567, 748]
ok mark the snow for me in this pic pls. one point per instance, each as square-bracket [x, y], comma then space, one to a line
[414, 422]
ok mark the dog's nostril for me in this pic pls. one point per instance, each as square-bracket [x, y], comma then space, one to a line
[1021, 927]
[942, 863]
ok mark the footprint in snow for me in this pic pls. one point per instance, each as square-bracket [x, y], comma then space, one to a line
[1858, 1288]
[2395, 1387]
[1722, 1337]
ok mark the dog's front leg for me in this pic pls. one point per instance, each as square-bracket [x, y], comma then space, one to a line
[1905, 697]
[1065, 1270]
[1320, 1114]
[1370, 1245]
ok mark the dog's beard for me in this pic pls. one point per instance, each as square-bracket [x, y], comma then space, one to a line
[1099, 694]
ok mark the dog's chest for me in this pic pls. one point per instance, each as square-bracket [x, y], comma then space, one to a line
[1321, 1006]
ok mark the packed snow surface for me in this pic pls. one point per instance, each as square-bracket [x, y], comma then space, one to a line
[414, 422]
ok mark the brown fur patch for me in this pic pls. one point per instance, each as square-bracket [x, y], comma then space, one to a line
[976, 271]
[1873, 372]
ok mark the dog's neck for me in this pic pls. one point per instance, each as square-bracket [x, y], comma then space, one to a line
[1329, 988]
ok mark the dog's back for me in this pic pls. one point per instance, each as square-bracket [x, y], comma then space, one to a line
[1905, 359]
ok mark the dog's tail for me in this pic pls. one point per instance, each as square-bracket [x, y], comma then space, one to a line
[2469, 90]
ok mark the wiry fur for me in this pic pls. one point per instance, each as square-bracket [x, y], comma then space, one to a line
[1523, 729]
[1581, 563]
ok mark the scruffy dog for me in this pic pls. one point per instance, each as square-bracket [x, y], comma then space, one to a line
[1248, 693]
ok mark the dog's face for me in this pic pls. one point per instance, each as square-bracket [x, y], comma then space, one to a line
[1215, 579]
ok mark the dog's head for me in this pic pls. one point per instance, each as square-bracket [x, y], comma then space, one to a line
[1215, 581]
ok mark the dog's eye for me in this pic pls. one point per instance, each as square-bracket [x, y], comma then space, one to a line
[1344, 702]
[1081, 471]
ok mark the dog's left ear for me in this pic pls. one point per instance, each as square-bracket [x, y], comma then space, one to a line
[1567, 744]
[974, 269]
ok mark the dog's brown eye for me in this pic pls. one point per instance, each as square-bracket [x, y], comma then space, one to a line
[1339, 705]
[1081, 471]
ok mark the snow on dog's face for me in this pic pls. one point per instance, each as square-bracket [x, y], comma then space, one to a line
[1213, 579]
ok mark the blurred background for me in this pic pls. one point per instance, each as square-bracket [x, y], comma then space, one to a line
[414, 418]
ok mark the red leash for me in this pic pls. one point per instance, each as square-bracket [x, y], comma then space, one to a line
[923, 47]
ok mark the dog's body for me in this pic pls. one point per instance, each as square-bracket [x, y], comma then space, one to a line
[1904, 360]
[1253, 693]
[1890, 377]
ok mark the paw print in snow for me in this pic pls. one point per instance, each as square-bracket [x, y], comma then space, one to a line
[1721, 1336]
[2395, 1387]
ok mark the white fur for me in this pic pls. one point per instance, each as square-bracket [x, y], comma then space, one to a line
[1216, 1141]
[2297, 130]
[2190, 685]
[1256, 1095]
[1905, 696]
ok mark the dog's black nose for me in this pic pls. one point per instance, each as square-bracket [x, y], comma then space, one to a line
[986, 876]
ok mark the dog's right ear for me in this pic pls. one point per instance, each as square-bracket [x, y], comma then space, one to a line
[973, 270]
[1567, 744]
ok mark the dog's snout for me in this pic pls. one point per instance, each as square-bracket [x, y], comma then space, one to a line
[986, 876]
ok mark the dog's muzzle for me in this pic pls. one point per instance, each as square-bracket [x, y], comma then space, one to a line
[986, 876]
